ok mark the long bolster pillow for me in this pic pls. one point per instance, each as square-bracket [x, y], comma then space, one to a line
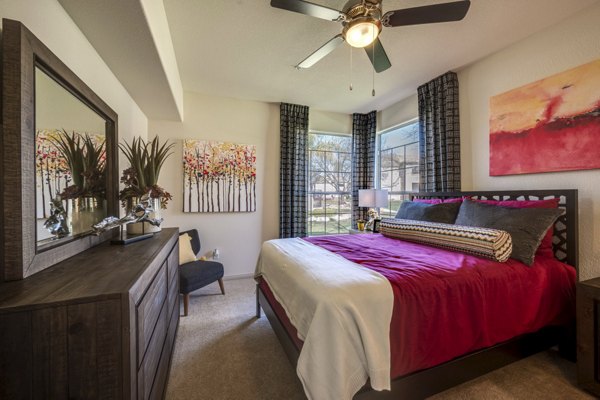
[483, 242]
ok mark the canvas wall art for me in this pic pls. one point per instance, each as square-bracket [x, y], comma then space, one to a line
[549, 125]
[218, 177]
[52, 169]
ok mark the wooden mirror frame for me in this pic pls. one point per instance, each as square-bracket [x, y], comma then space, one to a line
[21, 52]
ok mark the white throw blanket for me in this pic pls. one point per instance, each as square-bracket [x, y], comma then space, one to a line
[342, 312]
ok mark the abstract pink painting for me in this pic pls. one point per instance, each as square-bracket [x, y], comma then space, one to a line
[549, 125]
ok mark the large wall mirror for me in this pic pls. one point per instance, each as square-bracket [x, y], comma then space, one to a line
[70, 150]
[59, 157]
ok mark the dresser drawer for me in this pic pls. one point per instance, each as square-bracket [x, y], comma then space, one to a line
[173, 264]
[149, 309]
[173, 293]
[148, 369]
[162, 373]
[173, 322]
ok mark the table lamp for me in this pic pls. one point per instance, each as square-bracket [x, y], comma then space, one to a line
[372, 198]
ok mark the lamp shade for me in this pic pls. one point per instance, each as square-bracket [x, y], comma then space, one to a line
[361, 31]
[372, 198]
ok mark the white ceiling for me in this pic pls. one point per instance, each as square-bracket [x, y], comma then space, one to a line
[246, 49]
[132, 37]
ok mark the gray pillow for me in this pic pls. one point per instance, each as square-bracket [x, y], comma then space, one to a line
[444, 213]
[527, 226]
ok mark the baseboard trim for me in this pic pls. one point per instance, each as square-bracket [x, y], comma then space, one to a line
[240, 276]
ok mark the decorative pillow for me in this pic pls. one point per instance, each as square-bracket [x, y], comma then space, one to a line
[186, 254]
[444, 213]
[482, 242]
[527, 226]
[549, 203]
[439, 201]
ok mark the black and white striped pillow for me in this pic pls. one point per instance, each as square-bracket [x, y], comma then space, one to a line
[483, 242]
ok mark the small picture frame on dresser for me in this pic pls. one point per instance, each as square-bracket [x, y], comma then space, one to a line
[376, 223]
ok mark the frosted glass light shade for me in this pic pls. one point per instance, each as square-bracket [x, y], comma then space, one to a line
[362, 32]
[372, 198]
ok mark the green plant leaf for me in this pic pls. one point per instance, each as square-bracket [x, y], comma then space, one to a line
[146, 160]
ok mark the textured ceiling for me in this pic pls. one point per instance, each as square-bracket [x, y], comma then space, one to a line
[246, 49]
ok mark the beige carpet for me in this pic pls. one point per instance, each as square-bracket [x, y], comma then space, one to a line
[223, 353]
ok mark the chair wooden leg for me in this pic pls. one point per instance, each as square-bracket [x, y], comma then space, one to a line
[186, 303]
[221, 285]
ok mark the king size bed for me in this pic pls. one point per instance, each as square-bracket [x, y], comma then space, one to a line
[374, 317]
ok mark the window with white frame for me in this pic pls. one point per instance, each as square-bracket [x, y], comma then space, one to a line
[398, 164]
[329, 188]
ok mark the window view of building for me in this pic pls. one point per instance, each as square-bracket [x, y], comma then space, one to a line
[329, 186]
[398, 164]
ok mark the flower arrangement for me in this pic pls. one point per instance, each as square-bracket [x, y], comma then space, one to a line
[86, 161]
[146, 160]
[372, 213]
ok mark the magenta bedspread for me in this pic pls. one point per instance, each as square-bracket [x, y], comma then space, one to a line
[447, 304]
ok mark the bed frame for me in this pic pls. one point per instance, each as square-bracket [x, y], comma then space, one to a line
[430, 381]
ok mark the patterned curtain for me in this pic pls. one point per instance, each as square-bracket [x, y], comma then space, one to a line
[364, 128]
[439, 130]
[292, 175]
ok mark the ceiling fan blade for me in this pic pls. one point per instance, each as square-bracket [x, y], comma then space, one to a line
[444, 12]
[321, 52]
[304, 7]
[380, 60]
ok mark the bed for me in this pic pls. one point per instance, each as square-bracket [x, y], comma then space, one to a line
[422, 379]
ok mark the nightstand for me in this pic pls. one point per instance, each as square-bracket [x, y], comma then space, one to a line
[357, 232]
[588, 335]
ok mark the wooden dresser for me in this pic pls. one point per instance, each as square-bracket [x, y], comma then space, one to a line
[99, 325]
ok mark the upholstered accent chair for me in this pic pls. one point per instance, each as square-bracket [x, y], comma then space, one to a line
[197, 274]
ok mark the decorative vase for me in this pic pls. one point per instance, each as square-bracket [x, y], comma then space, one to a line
[85, 212]
[360, 224]
[139, 228]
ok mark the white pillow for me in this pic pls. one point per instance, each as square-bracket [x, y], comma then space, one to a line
[186, 254]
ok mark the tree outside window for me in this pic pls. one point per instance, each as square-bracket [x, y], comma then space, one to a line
[398, 164]
[330, 183]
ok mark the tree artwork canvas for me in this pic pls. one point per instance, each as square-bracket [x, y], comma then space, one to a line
[53, 175]
[549, 125]
[218, 177]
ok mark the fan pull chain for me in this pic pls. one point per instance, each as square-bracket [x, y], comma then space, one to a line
[374, 62]
[350, 68]
[373, 92]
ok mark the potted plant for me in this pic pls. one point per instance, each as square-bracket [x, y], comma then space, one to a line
[86, 159]
[146, 160]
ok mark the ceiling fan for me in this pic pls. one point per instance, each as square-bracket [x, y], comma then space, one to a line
[363, 20]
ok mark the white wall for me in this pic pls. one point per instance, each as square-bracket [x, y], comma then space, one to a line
[573, 42]
[56, 108]
[398, 113]
[327, 121]
[53, 26]
[238, 236]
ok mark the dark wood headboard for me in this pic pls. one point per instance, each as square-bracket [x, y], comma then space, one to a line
[565, 240]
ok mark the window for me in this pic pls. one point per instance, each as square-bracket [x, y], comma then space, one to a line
[330, 183]
[398, 164]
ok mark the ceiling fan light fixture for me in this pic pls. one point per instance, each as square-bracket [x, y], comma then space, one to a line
[361, 32]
